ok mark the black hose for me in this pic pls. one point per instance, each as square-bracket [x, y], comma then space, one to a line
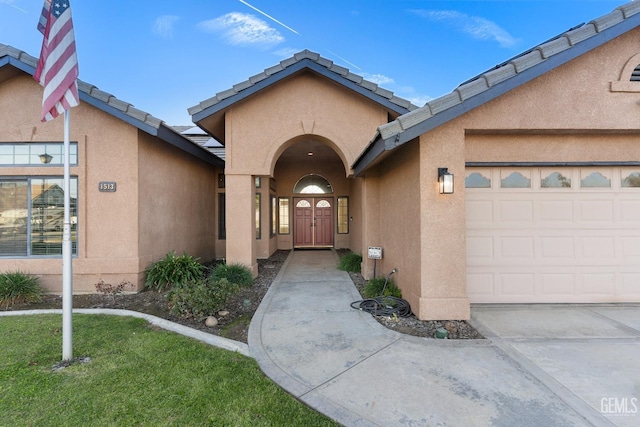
[384, 306]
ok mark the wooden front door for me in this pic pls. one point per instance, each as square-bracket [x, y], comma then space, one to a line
[313, 224]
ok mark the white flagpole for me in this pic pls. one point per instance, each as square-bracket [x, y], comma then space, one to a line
[67, 282]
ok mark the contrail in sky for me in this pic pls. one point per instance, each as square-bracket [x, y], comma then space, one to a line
[270, 17]
[341, 58]
[8, 3]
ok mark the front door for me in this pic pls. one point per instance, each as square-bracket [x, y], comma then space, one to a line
[313, 224]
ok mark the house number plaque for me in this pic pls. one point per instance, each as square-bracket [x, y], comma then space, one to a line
[107, 186]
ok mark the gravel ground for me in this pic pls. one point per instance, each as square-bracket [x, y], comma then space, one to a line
[234, 319]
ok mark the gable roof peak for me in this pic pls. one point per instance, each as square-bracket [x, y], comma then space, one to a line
[301, 60]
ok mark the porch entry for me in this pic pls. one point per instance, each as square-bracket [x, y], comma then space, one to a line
[313, 224]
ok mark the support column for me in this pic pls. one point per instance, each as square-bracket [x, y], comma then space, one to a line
[240, 221]
[370, 223]
[443, 293]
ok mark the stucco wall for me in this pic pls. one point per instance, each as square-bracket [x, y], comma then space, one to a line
[258, 128]
[399, 221]
[107, 151]
[158, 204]
[177, 208]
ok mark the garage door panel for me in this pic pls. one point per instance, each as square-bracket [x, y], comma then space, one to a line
[558, 283]
[631, 246]
[630, 284]
[516, 211]
[596, 210]
[599, 247]
[479, 248]
[518, 285]
[516, 247]
[555, 247]
[556, 211]
[571, 235]
[630, 210]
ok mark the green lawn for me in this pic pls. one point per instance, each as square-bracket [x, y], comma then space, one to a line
[137, 376]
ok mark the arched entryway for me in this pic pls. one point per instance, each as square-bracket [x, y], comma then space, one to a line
[310, 181]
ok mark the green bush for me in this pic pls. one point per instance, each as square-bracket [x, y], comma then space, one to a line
[375, 288]
[350, 262]
[201, 298]
[16, 286]
[234, 273]
[173, 270]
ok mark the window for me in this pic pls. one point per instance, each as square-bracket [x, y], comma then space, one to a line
[258, 217]
[222, 218]
[556, 180]
[594, 180]
[283, 215]
[477, 180]
[343, 215]
[18, 154]
[515, 179]
[312, 184]
[273, 209]
[631, 180]
[32, 216]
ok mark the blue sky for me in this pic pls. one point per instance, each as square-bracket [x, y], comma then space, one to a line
[166, 56]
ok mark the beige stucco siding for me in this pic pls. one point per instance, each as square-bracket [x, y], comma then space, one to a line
[158, 204]
[177, 202]
[398, 216]
[258, 128]
[576, 95]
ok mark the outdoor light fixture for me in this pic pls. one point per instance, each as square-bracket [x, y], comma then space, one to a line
[445, 181]
[45, 158]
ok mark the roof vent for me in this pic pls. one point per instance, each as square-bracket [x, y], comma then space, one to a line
[635, 76]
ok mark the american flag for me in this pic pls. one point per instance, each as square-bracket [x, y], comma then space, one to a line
[57, 69]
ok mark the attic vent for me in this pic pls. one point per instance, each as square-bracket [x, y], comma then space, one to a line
[629, 76]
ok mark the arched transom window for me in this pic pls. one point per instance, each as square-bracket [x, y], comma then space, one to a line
[313, 184]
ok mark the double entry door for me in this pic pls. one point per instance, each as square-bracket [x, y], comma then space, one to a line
[313, 224]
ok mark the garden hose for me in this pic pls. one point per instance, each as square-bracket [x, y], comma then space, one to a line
[384, 306]
[388, 306]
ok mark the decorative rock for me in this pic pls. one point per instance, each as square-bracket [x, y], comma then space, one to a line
[223, 313]
[211, 322]
[451, 328]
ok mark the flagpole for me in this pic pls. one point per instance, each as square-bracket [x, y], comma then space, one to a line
[67, 284]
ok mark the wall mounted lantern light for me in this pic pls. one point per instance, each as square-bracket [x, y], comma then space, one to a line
[445, 181]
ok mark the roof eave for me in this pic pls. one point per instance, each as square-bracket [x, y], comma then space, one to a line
[380, 145]
[289, 71]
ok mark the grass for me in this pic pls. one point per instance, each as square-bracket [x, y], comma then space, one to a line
[137, 375]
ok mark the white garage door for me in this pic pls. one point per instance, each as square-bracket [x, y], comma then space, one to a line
[559, 234]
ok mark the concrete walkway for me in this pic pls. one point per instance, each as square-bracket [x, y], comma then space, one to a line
[541, 365]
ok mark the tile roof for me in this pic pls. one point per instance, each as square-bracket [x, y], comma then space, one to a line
[499, 80]
[303, 59]
[114, 106]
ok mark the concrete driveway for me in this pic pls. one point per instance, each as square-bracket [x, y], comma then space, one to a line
[539, 366]
[588, 355]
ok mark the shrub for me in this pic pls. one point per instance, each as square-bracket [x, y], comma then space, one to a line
[350, 262]
[200, 298]
[234, 273]
[17, 286]
[173, 270]
[376, 287]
